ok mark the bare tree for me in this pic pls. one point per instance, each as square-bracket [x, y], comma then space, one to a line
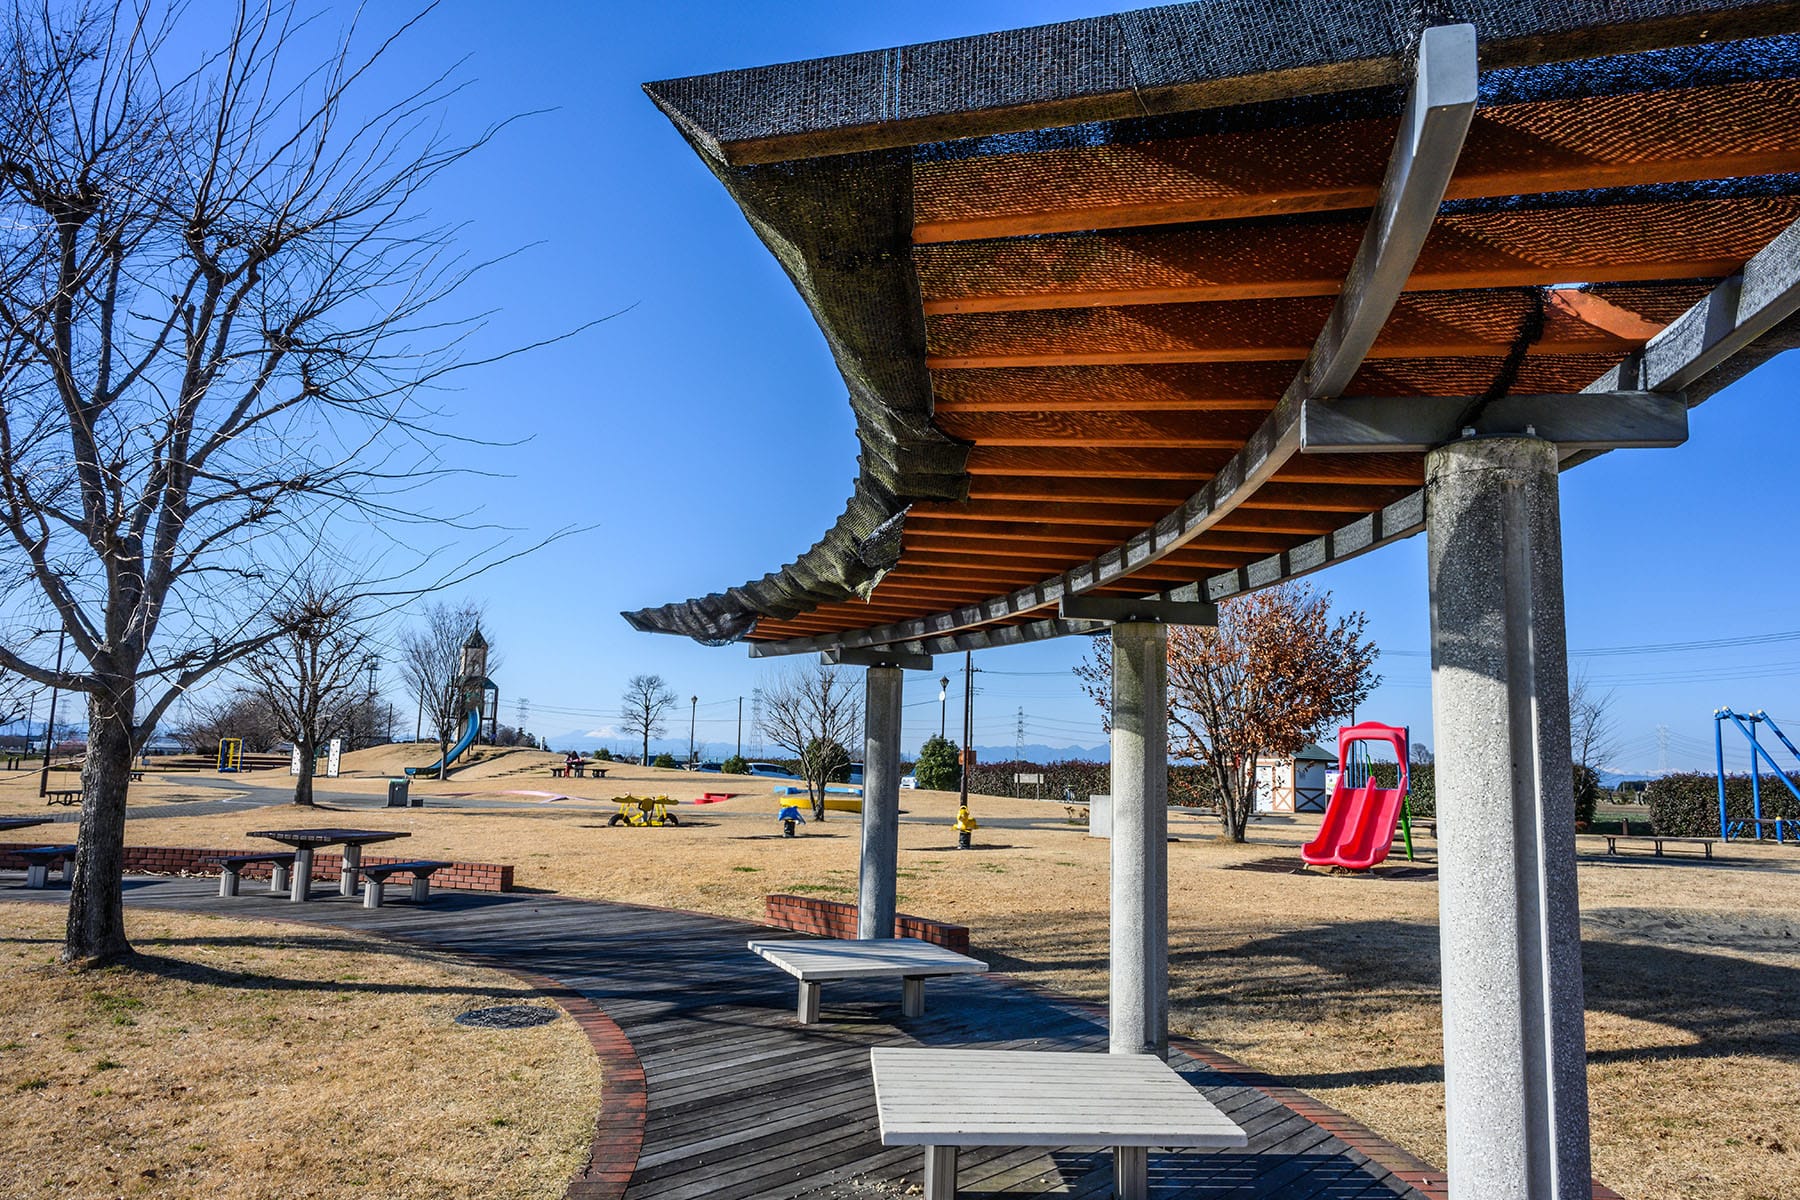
[813, 713]
[431, 660]
[237, 713]
[310, 677]
[643, 709]
[1419, 754]
[1592, 732]
[1267, 680]
[219, 305]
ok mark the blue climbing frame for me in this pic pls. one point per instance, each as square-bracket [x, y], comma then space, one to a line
[1746, 724]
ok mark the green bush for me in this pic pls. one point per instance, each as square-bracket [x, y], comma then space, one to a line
[937, 769]
[1687, 805]
[603, 755]
[832, 760]
[1421, 785]
[1587, 794]
[735, 765]
[663, 760]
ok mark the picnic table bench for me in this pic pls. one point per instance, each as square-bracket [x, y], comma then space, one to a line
[39, 859]
[562, 772]
[306, 841]
[911, 960]
[231, 869]
[62, 796]
[375, 879]
[1655, 840]
[944, 1100]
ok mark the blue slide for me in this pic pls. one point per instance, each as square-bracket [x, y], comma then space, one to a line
[470, 730]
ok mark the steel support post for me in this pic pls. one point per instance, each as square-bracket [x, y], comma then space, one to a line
[1138, 987]
[881, 804]
[1514, 1052]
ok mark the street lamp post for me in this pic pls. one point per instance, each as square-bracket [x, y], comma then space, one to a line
[693, 708]
[943, 704]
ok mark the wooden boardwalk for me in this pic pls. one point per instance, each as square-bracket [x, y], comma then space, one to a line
[741, 1102]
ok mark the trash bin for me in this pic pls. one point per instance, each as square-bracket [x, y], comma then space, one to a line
[397, 789]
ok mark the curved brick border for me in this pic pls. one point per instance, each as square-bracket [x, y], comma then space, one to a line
[618, 1126]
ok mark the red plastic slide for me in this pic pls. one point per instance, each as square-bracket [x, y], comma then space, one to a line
[1359, 822]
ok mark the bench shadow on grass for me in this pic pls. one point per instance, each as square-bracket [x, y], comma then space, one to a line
[1727, 1005]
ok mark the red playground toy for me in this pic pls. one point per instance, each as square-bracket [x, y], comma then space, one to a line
[1359, 822]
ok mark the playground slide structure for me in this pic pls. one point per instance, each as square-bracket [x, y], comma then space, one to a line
[471, 729]
[1731, 828]
[1360, 819]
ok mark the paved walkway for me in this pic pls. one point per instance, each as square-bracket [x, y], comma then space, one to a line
[737, 1101]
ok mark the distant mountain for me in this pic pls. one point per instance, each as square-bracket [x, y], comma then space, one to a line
[1038, 753]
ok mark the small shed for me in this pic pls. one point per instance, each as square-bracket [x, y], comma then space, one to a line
[1295, 783]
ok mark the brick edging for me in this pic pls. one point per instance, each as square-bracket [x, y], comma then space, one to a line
[327, 866]
[837, 919]
[624, 1096]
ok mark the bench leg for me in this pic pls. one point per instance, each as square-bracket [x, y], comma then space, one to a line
[940, 1173]
[421, 889]
[912, 997]
[809, 1003]
[37, 875]
[372, 889]
[278, 878]
[68, 869]
[1131, 1172]
[228, 882]
[302, 874]
[347, 874]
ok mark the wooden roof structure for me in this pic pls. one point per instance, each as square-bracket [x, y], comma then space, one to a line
[1107, 294]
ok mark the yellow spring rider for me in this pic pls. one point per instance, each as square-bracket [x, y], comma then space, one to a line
[643, 810]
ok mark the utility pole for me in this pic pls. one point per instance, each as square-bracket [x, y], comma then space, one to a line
[50, 724]
[693, 711]
[943, 703]
[968, 751]
[740, 738]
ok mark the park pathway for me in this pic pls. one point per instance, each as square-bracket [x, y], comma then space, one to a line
[737, 1101]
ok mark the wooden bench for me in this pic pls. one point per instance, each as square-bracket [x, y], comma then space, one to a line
[62, 796]
[1656, 841]
[231, 870]
[912, 961]
[375, 879]
[137, 777]
[944, 1100]
[1784, 828]
[39, 859]
[558, 772]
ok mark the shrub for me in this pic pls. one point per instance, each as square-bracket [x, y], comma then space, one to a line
[663, 760]
[735, 765]
[603, 755]
[937, 769]
[1687, 805]
[1421, 786]
[1587, 794]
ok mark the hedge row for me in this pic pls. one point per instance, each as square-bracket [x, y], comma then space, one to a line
[1421, 787]
[1081, 778]
[1687, 805]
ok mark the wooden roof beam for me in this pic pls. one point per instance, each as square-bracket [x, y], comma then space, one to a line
[1436, 119]
[1725, 131]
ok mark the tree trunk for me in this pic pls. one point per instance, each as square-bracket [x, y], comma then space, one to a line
[645, 761]
[1238, 800]
[96, 928]
[443, 753]
[303, 786]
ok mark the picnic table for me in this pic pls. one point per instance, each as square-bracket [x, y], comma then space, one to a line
[912, 961]
[946, 1099]
[305, 841]
[62, 796]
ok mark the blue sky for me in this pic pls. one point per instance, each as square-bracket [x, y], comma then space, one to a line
[703, 432]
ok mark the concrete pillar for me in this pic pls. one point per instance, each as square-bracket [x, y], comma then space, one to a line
[881, 804]
[1515, 1059]
[1138, 986]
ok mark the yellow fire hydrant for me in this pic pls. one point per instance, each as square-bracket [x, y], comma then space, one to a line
[965, 825]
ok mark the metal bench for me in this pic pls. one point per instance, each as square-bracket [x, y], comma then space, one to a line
[231, 869]
[910, 960]
[39, 859]
[944, 1100]
[1613, 840]
[375, 879]
[62, 796]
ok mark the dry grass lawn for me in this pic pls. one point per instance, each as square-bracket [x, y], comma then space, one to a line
[1692, 983]
[239, 1060]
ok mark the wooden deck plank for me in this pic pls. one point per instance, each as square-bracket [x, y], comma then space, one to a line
[743, 1103]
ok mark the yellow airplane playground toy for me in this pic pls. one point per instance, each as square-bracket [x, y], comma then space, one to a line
[643, 810]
